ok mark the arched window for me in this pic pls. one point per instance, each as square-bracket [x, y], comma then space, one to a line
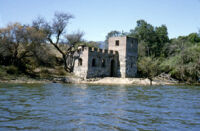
[80, 62]
[93, 62]
[103, 63]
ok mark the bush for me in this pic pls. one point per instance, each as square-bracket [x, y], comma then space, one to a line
[148, 67]
[61, 72]
[12, 70]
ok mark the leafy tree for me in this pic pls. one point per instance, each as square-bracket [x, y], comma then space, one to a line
[13, 43]
[112, 34]
[143, 31]
[148, 67]
[161, 39]
[154, 37]
[22, 44]
[184, 65]
[91, 44]
[142, 48]
[162, 34]
[193, 37]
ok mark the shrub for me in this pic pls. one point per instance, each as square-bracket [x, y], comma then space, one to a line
[12, 70]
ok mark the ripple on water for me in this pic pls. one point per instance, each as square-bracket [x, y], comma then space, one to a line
[77, 107]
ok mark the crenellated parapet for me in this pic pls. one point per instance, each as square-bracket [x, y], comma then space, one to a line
[94, 49]
[98, 50]
[82, 48]
[105, 51]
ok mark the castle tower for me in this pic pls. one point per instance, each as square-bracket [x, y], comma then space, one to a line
[127, 48]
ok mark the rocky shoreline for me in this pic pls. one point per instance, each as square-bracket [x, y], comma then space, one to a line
[100, 81]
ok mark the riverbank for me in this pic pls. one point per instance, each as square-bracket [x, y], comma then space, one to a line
[128, 81]
[101, 81]
[59, 75]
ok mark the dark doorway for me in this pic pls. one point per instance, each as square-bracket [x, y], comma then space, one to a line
[112, 68]
[93, 62]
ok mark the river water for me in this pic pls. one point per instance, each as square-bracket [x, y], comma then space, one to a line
[88, 107]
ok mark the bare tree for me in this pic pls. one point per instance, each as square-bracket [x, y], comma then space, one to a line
[72, 41]
[55, 31]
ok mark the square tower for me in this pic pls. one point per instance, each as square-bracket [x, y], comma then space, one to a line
[127, 48]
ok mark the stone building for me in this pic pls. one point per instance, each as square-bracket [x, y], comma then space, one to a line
[120, 60]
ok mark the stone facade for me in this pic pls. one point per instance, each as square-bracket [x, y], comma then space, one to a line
[120, 60]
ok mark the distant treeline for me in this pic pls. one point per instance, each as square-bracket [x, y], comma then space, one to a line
[179, 57]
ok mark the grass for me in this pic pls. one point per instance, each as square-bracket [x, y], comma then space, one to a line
[7, 73]
[11, 73]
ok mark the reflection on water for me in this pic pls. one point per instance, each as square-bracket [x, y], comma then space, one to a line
[59, 106]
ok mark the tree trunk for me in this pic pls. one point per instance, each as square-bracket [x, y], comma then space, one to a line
[68, 63]
[150, 81]
[65, 64]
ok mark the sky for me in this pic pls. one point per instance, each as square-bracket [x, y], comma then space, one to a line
[98, 17]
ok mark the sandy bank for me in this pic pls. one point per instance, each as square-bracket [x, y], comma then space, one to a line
[26, 81]
[102, 81]
[127, 81]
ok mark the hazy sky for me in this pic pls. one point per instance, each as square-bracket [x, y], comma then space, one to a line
[97, 17]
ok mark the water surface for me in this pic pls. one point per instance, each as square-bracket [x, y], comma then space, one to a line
[87, 107]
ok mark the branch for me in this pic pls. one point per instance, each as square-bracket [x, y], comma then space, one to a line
[56, 46]
[58, 37]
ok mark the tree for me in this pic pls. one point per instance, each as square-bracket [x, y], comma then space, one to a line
[36, 39]
[161, 39]
[13, 43]
[55, 31]
[183, 60]
[193, 37]
[148, 67]
[112, 34]
[23, 46]
[143, 31]
[73, 40]
[153, 37]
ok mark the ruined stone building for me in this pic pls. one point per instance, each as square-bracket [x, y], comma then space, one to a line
[120, 60]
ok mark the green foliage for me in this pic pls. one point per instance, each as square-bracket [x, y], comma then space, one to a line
[142, 48]
[153, 37]
[25, 48]
[62, 72]
[88, 44]
[9, 72]
[12, 70]
[148, 67]
[180, 57]
[194, 38]
[113, 33]
[185, 65]
[143, 31]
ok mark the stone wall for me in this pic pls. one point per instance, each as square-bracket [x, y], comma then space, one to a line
[81, 63]
[127, 48]
[99, 63]
[119, 61]
[96, 63]
[121, 48]
[131, 57]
